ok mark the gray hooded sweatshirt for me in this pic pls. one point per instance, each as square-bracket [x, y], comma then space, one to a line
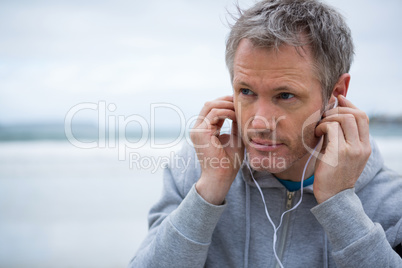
[356, 228]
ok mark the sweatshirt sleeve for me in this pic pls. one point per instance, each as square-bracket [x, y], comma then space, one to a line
[180, 229]
[356, 241]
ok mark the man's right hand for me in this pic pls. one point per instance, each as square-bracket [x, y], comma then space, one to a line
[220, 156]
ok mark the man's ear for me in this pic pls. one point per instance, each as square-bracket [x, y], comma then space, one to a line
[341, 87]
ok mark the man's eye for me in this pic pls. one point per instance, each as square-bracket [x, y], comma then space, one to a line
[286, 96]
[246, 91]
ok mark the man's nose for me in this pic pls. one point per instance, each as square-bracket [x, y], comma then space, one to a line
[263, 123]
[265, 118]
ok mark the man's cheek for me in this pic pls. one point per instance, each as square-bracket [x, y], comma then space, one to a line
[245, 129]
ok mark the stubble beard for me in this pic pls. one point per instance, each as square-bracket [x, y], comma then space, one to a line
[273, 162]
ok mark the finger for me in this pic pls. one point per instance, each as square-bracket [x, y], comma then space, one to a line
[221, 103]
[217, 115]
[348, 125]
[361, 118]
[224, 104]
[333, 135]
[344, 102]
[326, 127]
[216, 118]
[343, 105]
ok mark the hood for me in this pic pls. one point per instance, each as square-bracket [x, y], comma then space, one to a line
[373, 166]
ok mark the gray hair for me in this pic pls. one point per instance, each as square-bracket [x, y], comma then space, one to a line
[271, 23]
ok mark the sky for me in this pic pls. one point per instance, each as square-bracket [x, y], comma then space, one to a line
[55, 55]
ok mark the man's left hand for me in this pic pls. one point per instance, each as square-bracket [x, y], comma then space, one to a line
[345, 151]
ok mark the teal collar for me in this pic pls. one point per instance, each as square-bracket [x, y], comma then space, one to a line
[292, 186]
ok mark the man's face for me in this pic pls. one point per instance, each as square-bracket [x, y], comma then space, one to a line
[274, 93]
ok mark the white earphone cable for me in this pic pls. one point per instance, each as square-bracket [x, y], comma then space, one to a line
[293, 208]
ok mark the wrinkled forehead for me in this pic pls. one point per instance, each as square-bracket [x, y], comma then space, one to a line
[261, 58]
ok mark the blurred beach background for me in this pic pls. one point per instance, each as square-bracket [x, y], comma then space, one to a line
[111, 74]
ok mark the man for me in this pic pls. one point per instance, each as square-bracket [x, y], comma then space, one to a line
[240, 203]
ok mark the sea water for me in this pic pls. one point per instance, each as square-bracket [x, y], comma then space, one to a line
[62, 206]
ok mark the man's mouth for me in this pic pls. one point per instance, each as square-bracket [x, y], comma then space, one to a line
[265, 145]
